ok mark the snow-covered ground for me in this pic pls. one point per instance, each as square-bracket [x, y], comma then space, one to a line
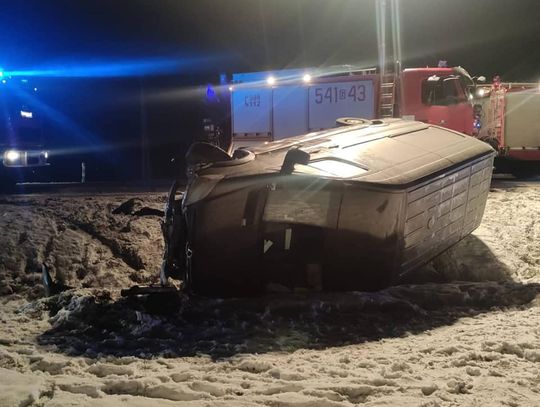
[468, 336]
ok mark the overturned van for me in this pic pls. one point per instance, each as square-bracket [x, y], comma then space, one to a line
[352, 208]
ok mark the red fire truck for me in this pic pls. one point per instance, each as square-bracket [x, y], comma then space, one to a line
[267, 106]
[273, 105]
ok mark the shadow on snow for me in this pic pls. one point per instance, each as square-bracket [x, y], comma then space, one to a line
[90, 323]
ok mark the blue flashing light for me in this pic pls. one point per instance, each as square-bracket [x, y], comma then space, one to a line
[119, 68]
[211, 94]
[1, 74]
[83, 136]
[4, 81]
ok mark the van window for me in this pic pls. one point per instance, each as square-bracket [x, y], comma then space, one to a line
[442, 91]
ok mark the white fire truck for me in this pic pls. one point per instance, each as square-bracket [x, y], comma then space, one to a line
[507, 117]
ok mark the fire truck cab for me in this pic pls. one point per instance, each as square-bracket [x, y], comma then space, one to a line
[440, 96]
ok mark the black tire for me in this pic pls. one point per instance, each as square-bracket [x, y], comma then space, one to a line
[523, 172]
[518, 168]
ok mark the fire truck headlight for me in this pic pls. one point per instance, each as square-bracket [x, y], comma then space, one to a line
[481, 92]
[12, 155]
[271, 80]
[306, 78]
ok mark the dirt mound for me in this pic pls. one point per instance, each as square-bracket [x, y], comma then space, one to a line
[82, 242]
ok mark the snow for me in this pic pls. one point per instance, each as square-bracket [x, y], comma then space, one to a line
[463, 330]
[18, 389]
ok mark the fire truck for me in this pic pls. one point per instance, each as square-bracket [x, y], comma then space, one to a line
[269, 106]
[22, 151]
[273, 105]
[506, 117]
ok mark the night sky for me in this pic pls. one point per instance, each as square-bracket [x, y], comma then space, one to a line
[205, 37]
[484, 36]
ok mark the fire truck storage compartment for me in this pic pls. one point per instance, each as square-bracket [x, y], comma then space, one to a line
[261, 111]
[251, 110]
[289, 111]
[522, 127]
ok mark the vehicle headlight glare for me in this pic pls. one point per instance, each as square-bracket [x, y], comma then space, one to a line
[12, 155]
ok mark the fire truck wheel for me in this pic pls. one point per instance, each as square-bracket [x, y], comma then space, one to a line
[524, 172]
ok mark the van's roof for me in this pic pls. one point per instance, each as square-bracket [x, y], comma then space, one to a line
[392, 151]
